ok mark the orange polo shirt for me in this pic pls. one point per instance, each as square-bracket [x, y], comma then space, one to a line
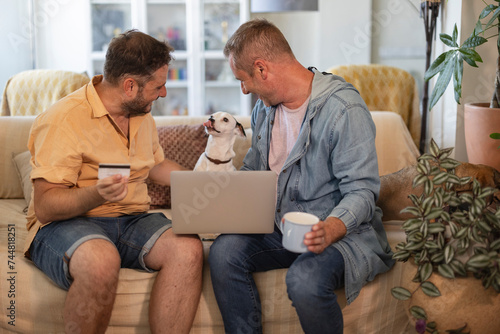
[69, 140]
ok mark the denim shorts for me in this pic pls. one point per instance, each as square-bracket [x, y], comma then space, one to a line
[133, 236]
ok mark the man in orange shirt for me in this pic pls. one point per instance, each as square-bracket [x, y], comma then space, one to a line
[82, 229]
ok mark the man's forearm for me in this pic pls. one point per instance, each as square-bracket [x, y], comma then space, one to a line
[58, 203]
[160, 173]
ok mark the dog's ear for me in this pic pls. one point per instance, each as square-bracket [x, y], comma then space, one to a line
[239, 130]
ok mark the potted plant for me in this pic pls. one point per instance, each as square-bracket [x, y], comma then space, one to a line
[452, 238]
[450, 64]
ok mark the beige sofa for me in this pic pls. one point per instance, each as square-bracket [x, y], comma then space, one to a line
[31, 303]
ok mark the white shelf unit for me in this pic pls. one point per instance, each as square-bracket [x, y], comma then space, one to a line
[200, 81]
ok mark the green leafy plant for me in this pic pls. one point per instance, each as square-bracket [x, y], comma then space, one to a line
[450, 64]
[452, 232]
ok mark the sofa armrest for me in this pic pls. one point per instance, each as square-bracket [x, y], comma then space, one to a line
[393, 142]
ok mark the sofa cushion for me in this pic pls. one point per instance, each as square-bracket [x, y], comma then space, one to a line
[14, 133]
[23, 167]
[183, 144]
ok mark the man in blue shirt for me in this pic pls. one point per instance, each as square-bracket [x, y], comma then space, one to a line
[316, 132]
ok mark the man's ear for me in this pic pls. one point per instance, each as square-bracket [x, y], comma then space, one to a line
[260, 68]
[130, 86]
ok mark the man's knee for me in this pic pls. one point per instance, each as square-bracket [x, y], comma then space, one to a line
[190, 250]
[304, 280]
[223, 252]
[171, 249]
[96, 260]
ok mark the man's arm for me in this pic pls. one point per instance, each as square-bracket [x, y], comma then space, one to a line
[160, 173]
[58, 202]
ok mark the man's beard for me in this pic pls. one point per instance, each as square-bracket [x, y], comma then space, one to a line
[137, 107]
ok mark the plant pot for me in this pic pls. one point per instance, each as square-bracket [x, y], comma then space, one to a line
[463, 301]
[479, 122]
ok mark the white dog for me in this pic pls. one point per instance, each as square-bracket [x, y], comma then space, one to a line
[222, 129]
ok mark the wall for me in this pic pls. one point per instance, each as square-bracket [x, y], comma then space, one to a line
[62, 34]
[15, 39]
[399, 36]
[58, 32]
[330, 36]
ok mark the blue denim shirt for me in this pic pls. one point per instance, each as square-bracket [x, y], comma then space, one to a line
[331, 171]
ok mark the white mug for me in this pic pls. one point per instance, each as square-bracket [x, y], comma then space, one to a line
[295, 225]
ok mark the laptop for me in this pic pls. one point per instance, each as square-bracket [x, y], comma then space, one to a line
[223, 202]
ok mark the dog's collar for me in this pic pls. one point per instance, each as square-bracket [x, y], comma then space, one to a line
[217, 161]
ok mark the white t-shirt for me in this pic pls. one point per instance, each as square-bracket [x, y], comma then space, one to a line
[286, 129]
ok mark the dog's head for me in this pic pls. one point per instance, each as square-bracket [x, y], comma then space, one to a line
[222, 123]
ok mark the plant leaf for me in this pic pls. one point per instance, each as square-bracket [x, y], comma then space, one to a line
[493, 20]
[428, 186]
[474, 41]
[434, 148]
[418, 313]
[478, 29]
[487, 10]
[436, 67]
[437, 257]
[449, 253]
[401, 255]
[470, 56]
[420, 179]
[455, 36]
[446, 270]
[457, 78]
[412, 224]
[442, 82]
[430, 289]
[450, 164]
[425, 271]
[484, 226]
[411, 210]
[400, 293]
[495, 245]
[437, 227]
[431, 245]
[458, 267]
[478, 261]
[449, 40]
[441, 178]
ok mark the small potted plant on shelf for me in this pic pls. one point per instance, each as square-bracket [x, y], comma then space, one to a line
[480, 119]
[451, 278]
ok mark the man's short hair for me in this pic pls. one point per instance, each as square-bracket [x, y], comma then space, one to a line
[256, 39]
[136, 54]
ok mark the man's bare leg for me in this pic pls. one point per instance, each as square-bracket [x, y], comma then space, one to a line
[94, 266]
[177, 288]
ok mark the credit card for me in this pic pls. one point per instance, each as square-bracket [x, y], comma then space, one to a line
[106, 170]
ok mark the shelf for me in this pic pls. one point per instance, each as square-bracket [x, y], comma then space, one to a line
[199, 77]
